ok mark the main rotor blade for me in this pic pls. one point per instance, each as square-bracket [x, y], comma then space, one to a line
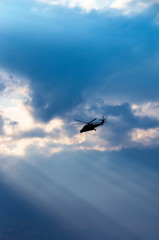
[92, 120]
[80, 121]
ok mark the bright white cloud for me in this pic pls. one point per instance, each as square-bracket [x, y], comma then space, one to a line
[85, 5]
[127, 6]
[150, 109]
[148, 137]
[120, 4]
[13, 101]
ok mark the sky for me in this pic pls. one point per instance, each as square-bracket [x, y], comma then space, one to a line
[64, 60]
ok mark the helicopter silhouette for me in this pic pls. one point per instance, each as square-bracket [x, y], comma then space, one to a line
[90, 126]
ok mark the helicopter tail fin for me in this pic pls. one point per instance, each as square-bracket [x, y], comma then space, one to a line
[103, 120]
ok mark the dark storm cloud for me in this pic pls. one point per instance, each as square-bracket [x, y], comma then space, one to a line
[63, 52]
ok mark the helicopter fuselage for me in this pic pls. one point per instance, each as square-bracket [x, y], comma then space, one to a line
[90, 127]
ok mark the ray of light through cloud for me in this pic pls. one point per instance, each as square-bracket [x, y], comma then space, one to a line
[61, 187]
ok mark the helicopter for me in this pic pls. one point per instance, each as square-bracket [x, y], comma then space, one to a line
[90, 126]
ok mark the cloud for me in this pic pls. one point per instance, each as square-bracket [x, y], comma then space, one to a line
[1, 125]
[98, 50]
[150, 109]
[77, 66]
[36, 132]
[126, 6]
[149, 137]
[122, 120]
[128, 124]
[22, 133]
[2, 87]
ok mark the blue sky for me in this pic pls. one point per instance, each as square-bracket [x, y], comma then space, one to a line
[66, 60]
